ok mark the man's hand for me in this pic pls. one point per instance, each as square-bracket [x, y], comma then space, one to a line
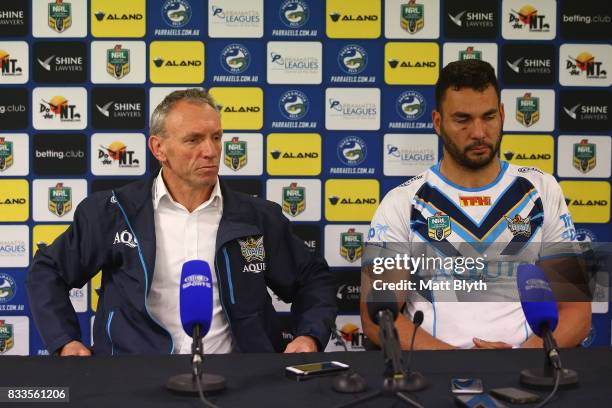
[75, 348]
[483, 344]
[302, 344]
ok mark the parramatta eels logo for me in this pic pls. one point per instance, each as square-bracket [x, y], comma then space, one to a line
[235, 153]
[412, 16]
[8, 288]
[353, 59]
[294, 104]
[438, 226]
[294, 200]
[351, 244]
[176, 13]
[585, 156]
[410, 105]
[294, 13]
[527, 109]
[118, 61]
[519, 225]
[235, 58]
[60, 15]
[352, 150]
[60, 199]
[6, 154]
[6, 337]
[252, 249]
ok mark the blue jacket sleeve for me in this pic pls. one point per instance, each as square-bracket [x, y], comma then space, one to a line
[70, 262]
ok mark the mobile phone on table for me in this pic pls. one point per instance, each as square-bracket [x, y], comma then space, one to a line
[466, 386]
[478, 401]
[515, 395]
[311, 370]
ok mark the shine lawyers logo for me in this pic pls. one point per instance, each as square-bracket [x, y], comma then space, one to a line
[118, 108]
[470, 19]
[580, 110]
[14, 18]
[60, 62]
[533, 65]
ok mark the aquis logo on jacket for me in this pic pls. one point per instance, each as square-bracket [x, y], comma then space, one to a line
[351, 200]
[241, 108]
[588, 201]
[179, 62]
[294, 154]
[529, 151]
[411, 63]
[353, 19]
[118, 18]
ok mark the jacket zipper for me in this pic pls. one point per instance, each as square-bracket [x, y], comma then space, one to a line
[229, 322]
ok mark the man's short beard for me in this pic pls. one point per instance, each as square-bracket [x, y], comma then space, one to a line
[462, 158]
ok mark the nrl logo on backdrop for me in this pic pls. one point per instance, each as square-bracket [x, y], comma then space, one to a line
[235, 154]
[438, 226]
[412, 16]
[60, 15]
[351, 245]
[470, 54]
[118, 61]
[519, 225]
[294, 199]
[252, 249]
[6, 154]
[585, 156]
[6, 337]
[527, 109]
[60, 199]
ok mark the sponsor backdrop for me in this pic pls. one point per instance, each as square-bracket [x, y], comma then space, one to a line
[326, 106]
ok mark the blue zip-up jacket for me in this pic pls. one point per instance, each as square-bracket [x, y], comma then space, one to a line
[115, 232]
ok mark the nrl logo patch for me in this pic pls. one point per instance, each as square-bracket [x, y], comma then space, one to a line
[438, 226]
[252, 249]
[519, 225]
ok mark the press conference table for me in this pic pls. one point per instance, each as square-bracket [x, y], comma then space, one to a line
[257, 380]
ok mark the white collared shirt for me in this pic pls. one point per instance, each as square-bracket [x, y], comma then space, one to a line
[183, 236]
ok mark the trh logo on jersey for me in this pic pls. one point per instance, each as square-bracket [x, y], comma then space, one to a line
[585, 156]
[410, 105]
[527, 109]
[60, 15]
[8, 288]
[235, 58]
[352, 150]
[6, 154]
[527, 17]
[294, 199]
[7, 339]
[294, 13]
[60, 199]
[59, 108]
[9, 67]
[235, 153]
[439, 226]
[519, 225]
[351, 243]
[412, 16]
[353, 59]
[586, 64]
[474, 201]
[117, 152]
[176, 13]
[294, 104]
[118, 61]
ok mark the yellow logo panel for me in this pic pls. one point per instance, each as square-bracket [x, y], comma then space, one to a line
[14, 200]
[95, 283]
[588, 201]
[241, 108]
[529, 150]
[353, 18]
[351, 200]
[176, 62]
[412, 63]
[294, 154]
[45, 235]
[118, 18]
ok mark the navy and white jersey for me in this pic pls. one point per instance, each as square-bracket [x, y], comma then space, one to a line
[508, 217]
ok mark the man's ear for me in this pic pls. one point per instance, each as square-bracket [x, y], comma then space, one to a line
[436, 118]
[156, 145]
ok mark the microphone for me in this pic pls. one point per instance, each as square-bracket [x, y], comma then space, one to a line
[417, 320]
[196, 305]
[542, 315]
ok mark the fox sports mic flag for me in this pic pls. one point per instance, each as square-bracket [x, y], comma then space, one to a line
[537, 299]
[196, 296]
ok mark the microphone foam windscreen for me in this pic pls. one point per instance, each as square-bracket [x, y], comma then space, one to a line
[537, 298]
[381, 300]
[196, 296]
